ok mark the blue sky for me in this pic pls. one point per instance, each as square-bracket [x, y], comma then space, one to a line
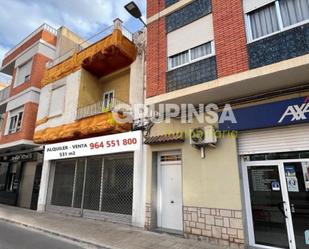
[18, 18]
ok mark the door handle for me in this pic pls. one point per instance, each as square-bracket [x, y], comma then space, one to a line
[281, 208]
[172, 202]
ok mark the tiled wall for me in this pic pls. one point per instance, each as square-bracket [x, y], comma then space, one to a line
[170, 2]
[192, 74]
[279, 47]
[218, 226]
[188, 14]
[148, 217]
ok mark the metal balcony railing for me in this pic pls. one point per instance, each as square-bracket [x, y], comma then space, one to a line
[4, 94]
[100, 107]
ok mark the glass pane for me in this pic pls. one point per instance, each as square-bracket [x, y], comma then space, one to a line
[93, 183]
[264, 21]
[266, 203]
[63, 183]
[118, 184]
[79, 183]
[294, 11]
[179, 59]
[201, 51]
[297, 177]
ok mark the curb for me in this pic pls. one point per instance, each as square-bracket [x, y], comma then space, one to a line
[55, 234]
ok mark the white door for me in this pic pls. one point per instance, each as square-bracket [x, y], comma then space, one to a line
[170, 214]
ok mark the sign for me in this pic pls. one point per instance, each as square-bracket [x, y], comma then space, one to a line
[129, 141]
[275, 186]
[22, 157]
[286, 112]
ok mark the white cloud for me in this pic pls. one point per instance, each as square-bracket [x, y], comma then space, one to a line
[18, 18]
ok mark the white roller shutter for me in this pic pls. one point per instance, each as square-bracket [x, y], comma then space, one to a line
[282, 139]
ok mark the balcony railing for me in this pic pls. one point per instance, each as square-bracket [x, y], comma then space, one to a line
[90, 41]
[99, 108]
[4, 94]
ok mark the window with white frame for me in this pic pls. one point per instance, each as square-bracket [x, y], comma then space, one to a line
[108, 100]
[276, 16]
[23, 73]
[15, 120]
[57, 101]
[190, 55]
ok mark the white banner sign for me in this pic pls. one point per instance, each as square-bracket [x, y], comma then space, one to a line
[123, 142]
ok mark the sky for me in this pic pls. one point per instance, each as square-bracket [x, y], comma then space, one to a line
[18, 18]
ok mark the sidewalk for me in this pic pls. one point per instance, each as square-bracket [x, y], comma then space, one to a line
[98, 233]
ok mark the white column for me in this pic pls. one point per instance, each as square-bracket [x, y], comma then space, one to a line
[44, 186]
[139, 189]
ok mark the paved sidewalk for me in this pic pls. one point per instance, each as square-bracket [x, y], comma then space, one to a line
[98, 233]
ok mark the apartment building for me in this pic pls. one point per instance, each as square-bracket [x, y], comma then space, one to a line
[93, 160]
[20, 158]
[250, 188]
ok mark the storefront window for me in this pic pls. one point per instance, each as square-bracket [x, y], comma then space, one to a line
[118, 185]
[3, 175]
[63, 183]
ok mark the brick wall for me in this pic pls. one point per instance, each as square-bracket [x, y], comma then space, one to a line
[46, 36]
[156, 58]
[154, 6]
[38, 68]
[230, 37]
[28, 125]
[218, 226]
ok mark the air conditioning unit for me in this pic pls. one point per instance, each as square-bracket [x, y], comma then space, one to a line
[203, 136]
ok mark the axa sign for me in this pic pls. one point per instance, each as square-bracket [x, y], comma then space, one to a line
[296, 113]
[280, 113]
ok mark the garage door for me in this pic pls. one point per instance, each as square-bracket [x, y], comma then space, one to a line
[285, 139]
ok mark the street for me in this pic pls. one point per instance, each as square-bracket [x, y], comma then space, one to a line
[17, 237]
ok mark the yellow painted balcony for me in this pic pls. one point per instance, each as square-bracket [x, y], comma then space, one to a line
[113, 52]
[92, 120]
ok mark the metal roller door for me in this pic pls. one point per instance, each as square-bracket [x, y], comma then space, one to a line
[282, 139]
[98, 187]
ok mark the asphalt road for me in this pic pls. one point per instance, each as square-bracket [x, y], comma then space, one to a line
[17, 237]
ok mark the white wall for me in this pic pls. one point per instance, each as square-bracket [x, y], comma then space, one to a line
[72, 83]
[29, 95]
[250, 5]
[190, 36]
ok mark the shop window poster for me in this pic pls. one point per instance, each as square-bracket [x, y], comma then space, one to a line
[305, 166]
[291, 179]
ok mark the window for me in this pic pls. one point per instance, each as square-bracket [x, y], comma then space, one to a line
[294, 11]
[108, 100]
[57, 101]
[23, 73]
[15, 121]
[191, 55]
[264, 21]
[276, 16]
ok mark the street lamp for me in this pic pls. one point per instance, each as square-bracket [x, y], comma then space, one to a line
[134, 11]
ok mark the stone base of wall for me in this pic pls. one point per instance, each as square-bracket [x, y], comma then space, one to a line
[218, 226]
[222, 227]
[148, 216]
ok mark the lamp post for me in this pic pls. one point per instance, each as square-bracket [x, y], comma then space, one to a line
[134, 11]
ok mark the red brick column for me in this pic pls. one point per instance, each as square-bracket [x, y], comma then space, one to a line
[28, 125]
[156, 57]
[38, 68]
[230, 37]
[154, 6]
